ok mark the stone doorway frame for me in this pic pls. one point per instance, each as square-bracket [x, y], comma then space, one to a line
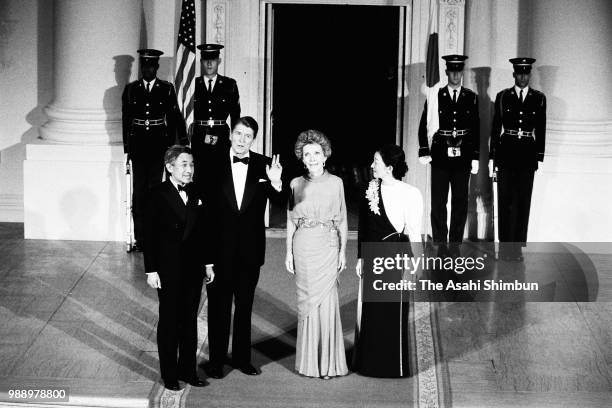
[242, 27]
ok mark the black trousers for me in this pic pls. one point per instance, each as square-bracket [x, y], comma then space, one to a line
[458, 178]
[237, 284]
[204, 151]
[514, 187]
[177, 331]
[147, 171]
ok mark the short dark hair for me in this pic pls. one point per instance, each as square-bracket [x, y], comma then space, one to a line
[393, 155]
[312, 136]
[174, 152]
[248, 122]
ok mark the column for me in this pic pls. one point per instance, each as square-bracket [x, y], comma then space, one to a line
[74, 178]
[95, 48]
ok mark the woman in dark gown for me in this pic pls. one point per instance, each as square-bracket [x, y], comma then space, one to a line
[391, 211]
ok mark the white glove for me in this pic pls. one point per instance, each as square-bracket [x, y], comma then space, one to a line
[491, 169]
[475, 166]
[153, 280]
[425, 159]
[289, 263]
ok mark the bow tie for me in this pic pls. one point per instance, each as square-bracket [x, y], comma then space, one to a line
[181, 188]
[236, 159]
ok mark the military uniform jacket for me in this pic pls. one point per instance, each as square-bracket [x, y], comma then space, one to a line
[460, 115]
[224, 100]
[159, 103]
[527, 116]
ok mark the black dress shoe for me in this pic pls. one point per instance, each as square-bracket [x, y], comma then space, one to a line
[443, 251]
[248, 369]
[195, 381]
[213, 370]
[172, 386]
[454, 250]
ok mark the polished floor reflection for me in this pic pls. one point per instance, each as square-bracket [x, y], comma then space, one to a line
[79, 314]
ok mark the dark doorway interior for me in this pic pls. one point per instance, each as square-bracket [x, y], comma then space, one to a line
[334, 70]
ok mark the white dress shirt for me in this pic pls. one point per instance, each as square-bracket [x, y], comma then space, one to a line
[239, 174]
[404, 207]
[518, 91]
[450, 91]
[150, 83]
[183, 193]
[214, 81]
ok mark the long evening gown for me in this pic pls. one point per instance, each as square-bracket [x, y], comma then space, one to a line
[382, 341]
[317, 208]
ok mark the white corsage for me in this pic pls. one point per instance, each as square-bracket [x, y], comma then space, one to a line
[372, 196]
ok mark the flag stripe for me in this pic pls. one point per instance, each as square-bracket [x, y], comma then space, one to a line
[184, 78]
[432, 72]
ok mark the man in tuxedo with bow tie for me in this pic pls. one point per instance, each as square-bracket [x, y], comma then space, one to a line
[241, 185]
[177, 256]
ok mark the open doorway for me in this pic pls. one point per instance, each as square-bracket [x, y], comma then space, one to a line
[334, 68]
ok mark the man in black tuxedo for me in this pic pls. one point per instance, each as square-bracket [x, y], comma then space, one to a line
[518, 139]
[152, 122]
[177, 256]
[241, 185]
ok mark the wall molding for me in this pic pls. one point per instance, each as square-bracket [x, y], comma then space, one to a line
[11, 208]
[591, 139]
[216, 28]
[451, 22]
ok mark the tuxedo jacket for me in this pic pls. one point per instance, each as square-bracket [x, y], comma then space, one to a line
[512, 114]
[159, 103]
[460, 115]
[240, 230]
[177, 241]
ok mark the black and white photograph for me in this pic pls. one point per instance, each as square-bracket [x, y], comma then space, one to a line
[305, 203]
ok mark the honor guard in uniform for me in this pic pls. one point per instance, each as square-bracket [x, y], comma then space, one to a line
[453, 152]
[517, 145]
[216, 98]
[152, 122]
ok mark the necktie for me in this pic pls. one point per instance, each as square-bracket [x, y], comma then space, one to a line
[148, 87]
[236, 159]
[521, 95]
[210, 85]
[454, 95]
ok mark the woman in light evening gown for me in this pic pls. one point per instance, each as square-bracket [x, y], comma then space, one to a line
[390, 211]
[316, 254]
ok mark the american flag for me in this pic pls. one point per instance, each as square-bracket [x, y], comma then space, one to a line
[184, 78]
[432, 72]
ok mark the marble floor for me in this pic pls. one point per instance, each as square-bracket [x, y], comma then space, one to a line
[79, 315]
